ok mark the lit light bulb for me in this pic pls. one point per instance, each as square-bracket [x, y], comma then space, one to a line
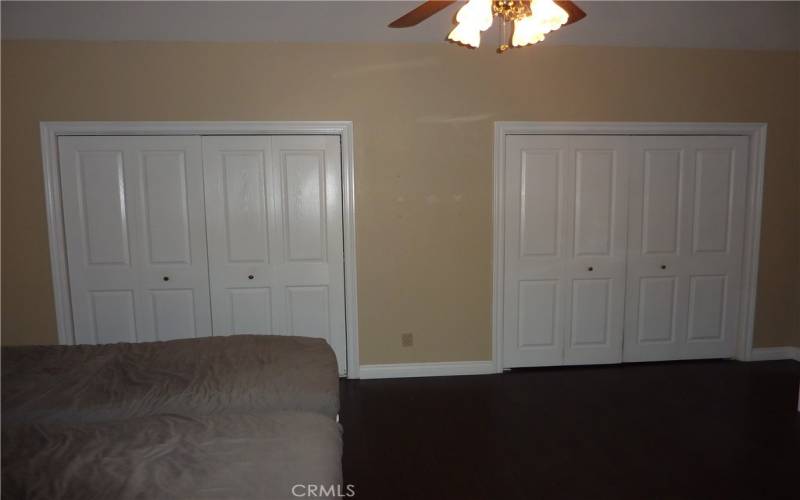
[472, 18]
[546, 16]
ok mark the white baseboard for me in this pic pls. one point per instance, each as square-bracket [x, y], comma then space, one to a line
[445, 369]
[775, 353]
[403, 370]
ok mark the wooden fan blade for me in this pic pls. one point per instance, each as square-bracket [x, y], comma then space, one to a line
[575, 12]
[422, 13]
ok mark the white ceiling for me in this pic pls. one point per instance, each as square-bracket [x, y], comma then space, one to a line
[735, 25]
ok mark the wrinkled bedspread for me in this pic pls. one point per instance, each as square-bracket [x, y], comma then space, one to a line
[173, 457]
[205, 376]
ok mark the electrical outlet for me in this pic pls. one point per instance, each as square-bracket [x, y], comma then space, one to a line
[407, 339]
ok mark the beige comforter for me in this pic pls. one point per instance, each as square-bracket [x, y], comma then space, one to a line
[220, 457]
[242, 373]
[239, 417]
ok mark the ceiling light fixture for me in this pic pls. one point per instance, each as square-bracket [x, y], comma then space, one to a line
[532, 19]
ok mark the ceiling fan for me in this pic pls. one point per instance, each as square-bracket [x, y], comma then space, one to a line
[532, 19]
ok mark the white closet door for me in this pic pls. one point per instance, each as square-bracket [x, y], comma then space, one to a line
[308, 203]
[242, 234]
[135, 233]
[687, 209]
[565, 241]
[276, 260]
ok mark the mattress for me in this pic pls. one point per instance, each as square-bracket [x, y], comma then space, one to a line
[232, 456]
[205, 376]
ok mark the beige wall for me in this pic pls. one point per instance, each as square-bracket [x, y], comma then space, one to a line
[423, 117]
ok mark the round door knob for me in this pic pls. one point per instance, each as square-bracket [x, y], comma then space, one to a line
[250, 277]
[165, 278]
[591, 268]
[663, 266]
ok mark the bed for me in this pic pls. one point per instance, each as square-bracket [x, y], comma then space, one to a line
[244, 416]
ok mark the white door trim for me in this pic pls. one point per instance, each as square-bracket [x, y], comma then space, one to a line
[757, 133]
[50, 131]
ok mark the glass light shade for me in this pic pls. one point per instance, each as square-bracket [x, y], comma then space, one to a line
[526, 31]
[550, 14]
[466, 34]
[545, 17]
[477, 13]
[472, 18]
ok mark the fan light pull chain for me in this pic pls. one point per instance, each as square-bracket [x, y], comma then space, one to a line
[503, 45]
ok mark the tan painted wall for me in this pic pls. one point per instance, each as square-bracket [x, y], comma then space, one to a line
[423, 117]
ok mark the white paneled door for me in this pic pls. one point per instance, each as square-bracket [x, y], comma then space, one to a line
[686, 230]
[274, 214]
[565, 237]
[622, 248]
[174, 237]
[135, 237]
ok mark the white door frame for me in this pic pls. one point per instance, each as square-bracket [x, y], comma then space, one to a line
[757, 134]
[50, 132]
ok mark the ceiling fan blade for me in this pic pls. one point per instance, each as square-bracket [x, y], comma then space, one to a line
[575, 12]
[422, 13]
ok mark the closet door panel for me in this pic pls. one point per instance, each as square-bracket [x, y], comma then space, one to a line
[659, 231]
[539, 186]
[595, 172]
[308, 202]
[660, 197]
[706, 307]
[98, 222]
[590, 312]
[715, 269]
[713, 200]
[101, 206]
[309, 311]
[276, 258]
[113, 317]
[303, 197]
[565, 250]
[242, 239]
[702, 270]
[596, 269]
[243, 182]
[541, 199]
[610, 237]
[173, 314]
[539, 322]
[250, 310]
[657, 310]
[175, 293]
[166, 203]
[134, 225]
